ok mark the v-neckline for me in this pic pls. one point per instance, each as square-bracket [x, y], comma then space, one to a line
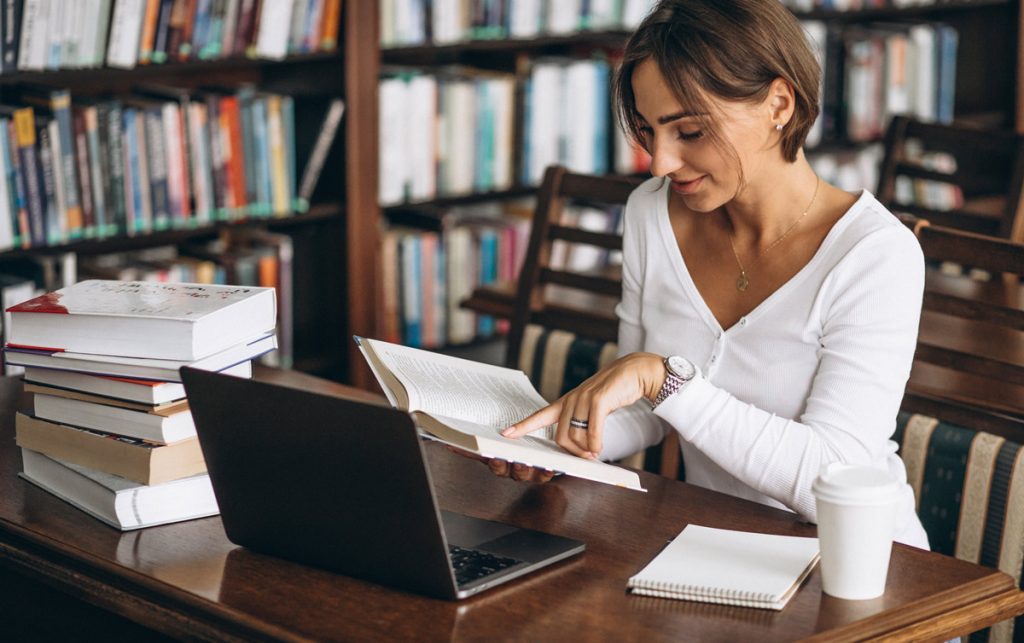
[683, 273]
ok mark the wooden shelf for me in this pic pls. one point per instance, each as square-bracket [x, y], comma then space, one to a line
[473, 51]
[467, 199]
[121, 243]
[886, 13]
[89, 76]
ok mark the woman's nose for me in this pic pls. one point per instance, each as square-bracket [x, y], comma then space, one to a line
[665, 159]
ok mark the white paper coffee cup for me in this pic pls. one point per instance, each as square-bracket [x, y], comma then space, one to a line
[856, 524]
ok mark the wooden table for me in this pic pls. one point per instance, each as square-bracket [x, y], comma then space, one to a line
[187, 580]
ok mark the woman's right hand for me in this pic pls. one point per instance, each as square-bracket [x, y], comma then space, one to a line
[505, 469]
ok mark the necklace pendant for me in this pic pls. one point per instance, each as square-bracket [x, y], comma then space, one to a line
[742, 282]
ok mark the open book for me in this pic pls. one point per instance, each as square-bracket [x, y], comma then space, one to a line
[466, 404]
[729, 567]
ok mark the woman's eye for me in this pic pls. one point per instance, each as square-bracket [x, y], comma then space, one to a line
[690, 136]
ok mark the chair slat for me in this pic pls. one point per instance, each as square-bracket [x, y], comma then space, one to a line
[981, 222]
[970, 182]
[588, 237]
[601, 285]
[970, 249]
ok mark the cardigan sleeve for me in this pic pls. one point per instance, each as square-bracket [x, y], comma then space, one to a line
[634, 427]
[870, 315]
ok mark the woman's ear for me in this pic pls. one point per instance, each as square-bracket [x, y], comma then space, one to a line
[781, 102]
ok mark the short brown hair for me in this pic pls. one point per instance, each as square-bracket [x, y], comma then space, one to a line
[729, 49]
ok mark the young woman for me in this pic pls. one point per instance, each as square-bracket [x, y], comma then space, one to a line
[767, 317]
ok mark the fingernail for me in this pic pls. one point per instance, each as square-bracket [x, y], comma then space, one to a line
[507, 432]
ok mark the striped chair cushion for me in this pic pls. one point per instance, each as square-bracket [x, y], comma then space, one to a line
[969, 487]
[558, 361]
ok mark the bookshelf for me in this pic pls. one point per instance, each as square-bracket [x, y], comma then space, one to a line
[332, 294]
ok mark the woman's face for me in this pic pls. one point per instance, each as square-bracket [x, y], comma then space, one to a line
[703, 174]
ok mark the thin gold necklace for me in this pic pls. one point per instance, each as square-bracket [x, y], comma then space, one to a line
[742, 282]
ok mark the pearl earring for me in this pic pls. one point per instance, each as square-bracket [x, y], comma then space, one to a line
[778, 127]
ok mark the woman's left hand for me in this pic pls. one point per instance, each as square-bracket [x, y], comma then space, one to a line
[619, 384]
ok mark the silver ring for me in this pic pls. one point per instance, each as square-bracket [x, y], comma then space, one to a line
[578, 423]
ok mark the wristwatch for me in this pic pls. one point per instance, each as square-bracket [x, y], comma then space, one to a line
[679, 371]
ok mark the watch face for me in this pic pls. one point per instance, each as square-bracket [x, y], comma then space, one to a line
[681, 367]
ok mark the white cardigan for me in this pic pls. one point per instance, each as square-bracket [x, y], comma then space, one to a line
[813, 375]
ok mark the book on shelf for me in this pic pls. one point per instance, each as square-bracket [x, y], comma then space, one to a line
[184, 322]
[318, 156]
[728, 567]
[161, 370]
[137, 460]
[121, 503]
[147, 392]
[163, 423]
[467, 404]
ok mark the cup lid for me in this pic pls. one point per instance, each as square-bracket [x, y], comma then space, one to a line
[855, 484]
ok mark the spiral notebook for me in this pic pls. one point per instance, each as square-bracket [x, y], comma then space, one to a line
[729, 567]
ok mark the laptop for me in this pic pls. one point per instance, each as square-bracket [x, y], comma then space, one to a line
[344, 485]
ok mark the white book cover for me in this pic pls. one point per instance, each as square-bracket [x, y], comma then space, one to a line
[729, 567]
[125, 29]
[121, 388]
[129, 422]
[421, 146]
[546, 89]
[503, 99]
[274, 22]
[162, 370]
[119, 502]
[176, 321]
[463, 130]
[578, 121]
[7, 217]
[525, 18]
[393, 104]
[563, 17]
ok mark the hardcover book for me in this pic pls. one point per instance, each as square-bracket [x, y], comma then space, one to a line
[130, 458]
[162, 370]
[467, 404]
[121, 388]
[163, 423]
[120, 503]
[143, 319]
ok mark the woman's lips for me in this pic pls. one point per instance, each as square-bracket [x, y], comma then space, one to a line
[687, 187]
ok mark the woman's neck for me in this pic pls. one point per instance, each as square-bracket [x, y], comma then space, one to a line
[769, 206]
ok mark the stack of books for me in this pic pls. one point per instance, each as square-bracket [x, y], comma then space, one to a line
[111, 431]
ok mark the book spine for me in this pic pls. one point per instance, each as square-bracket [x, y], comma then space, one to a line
[227, 40]
[125, 28]
[264, 197]
[19, 190]
[215, 25]
[318, 156]
[115, 152]
[148, 35]
[331, 25]
[231, 113]
[11, 35]
[184, 50]
[245, 110]
[49, 154]
[60, 104]
[154, 144]
[28, 161]
[279, 171]
[247, 13]
[163, 29]
[8, 207]
[288, 133]
[98, 169]
[84, 176]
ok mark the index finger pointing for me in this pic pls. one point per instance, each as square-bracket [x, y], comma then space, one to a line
[542, 418]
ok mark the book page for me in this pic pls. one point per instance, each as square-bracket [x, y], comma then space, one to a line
[493, 396]
[494, 433]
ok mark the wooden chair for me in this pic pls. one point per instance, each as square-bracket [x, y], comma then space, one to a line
[562, 325]
[970, 352]
[955, 176]
[969, 487]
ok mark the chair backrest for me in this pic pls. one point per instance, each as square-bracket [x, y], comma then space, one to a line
[955, 176]
[554, 292]
[969, 487]
[970, 348]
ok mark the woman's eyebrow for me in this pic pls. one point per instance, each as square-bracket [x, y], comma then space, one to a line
[668, 118]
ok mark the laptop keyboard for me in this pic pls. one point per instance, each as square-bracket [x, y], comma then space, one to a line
[471, 564]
